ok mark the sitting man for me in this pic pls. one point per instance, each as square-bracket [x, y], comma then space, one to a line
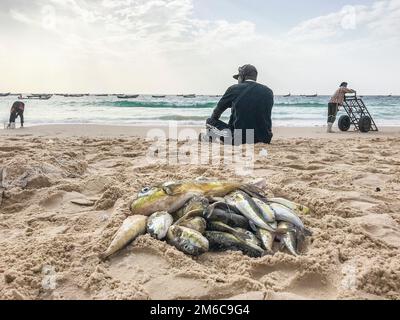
[17, 110]
[251, 104]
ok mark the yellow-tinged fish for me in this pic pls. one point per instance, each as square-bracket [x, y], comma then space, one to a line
[298, 208]
[172, 196]
[198, 224]
[205, 188]
[266, 210]
[131, 228]
[267, 238]
[151, 200]
[196, 207]
[187, 240]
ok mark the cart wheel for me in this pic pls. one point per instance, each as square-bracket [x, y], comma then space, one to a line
[365, 124]
[344, 123]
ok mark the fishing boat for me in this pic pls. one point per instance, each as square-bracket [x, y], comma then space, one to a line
[158, 96]
[310, 95]
[124, 96]
[189, 96]
[288, 95]
[74, 95]
[101, 95]
[5, 94]
[36, 97]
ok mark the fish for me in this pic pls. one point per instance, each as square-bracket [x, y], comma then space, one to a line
[196, 207]
[187, 240]
[199, 224]
[283, 213]
[251, 237]
[131, 228]
[197, 204]
[248, 208]
[172, 196]
[288, 239]
[284, 228]
[267, 238]
[205, 188]
[212, 189]
[155, 199]
[221, 241]
[237, 232]
[228, 217]
[298, 208]
[266, 210]
[158, 224]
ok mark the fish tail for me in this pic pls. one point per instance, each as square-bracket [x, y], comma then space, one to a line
[103, 256]
[308, 232]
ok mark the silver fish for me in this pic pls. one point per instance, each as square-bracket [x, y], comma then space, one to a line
[249, 209]
[298, 208]
[158, 224]
[283, 213]
[289, 239]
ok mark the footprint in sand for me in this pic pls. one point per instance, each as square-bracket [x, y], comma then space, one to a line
[382, 227]
[313, 286]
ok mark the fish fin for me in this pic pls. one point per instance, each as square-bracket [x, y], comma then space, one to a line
[168, 190]
[208, 212]
[202, 179]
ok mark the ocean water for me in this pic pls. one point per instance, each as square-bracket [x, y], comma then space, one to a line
[293, 111]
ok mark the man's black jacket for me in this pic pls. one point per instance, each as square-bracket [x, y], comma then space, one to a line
[252, 111]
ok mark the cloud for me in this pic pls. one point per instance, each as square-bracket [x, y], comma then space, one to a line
[382, 18]
[153, 44]
[167, 25]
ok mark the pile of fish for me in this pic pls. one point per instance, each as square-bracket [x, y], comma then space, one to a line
[201, 215]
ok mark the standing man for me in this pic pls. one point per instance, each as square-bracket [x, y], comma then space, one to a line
[17, 110]
[335, 102]
[251, 104]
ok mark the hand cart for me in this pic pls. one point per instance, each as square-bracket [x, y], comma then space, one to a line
[357, 115]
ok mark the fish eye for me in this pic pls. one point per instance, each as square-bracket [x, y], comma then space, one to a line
[145, 192]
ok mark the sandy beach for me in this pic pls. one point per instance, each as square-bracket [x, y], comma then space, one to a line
[50, 246]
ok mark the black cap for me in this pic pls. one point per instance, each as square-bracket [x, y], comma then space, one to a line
[247, 71]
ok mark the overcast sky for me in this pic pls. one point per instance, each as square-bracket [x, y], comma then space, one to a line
[185, 46]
